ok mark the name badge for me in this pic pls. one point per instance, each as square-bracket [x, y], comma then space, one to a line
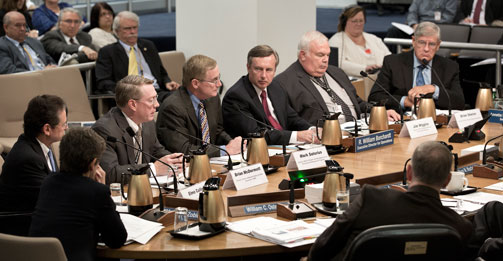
[464, 119]
[246, 177]
[418, 128]
[438, 15]
[191, 192]
[308, 159]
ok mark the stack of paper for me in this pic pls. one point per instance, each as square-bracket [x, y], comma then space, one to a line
[496, 186]
[480, 197]
[139, 230]
[291, 234]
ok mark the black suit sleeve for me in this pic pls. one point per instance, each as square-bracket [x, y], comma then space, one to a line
[450, 79]
[105, 70]
[385, 79]
[112, 230]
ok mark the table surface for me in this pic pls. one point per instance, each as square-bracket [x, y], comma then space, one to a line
[370, 163]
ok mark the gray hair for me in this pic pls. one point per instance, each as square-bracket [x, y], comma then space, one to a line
[307, 38]
[427, 29]
[126, 15]
[431, 163]
[68, 10]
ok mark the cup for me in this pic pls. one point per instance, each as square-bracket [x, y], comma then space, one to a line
[181, 219]
[342, 200]
[458, 182]
[115, 192]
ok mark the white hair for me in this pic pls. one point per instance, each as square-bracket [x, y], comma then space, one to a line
[125, 15]
[307, 38]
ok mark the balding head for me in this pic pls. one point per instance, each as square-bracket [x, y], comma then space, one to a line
[431, 164]
[14, 25]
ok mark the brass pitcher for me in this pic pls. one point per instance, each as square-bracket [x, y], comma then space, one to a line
[211, 207]
[199, 168]
[378, 119]
[257, 149]
[331, 134]
[426, 107]
[140, 196]
[484, 99]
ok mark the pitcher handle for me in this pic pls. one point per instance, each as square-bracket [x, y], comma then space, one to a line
[242, 151]
[317, 133]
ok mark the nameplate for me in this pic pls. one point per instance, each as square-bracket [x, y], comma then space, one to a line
[191, 192]
[245, 177]
[259, 209]
[418, 128]
[191, 214]
[465, 118]
[468, 169]
[308, 159]
[374, 140]
[496, 116]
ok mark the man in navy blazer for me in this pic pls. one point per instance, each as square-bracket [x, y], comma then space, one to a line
[18, 52]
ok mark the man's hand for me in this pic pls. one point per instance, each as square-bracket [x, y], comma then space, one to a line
[372, 67]
[393, 115]
[307, 136]
[32, 34]
[408, 102]
[418, 90]
[174, 159]
[90, 53]
[172, 85]
[234, 146]
[100, 175]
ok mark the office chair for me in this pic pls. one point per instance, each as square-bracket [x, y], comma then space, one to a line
[406, 242]
[31, 248]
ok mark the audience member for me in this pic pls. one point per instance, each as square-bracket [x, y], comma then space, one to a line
[31, 159]
[482, 12]
[102, 16]
[131, 56]
[258, 97]
[17, 5]
[46, 15]
[428, 173]
[18, 52]
[358, 50]
[75, 206]
[315, 88]
[69, 39]
[405, 76]
[489, 231]
[195, 109]
[137, 101]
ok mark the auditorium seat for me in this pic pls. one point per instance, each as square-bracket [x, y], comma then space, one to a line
[485, 35]
[453, 33]
[31, 248]
[173, 63]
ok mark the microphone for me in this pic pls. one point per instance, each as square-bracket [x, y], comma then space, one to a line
[364, 74]
[424, 62]
[229, 161]
[484, 152]
[354, 118]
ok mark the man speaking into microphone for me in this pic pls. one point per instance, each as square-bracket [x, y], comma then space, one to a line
[411, 74]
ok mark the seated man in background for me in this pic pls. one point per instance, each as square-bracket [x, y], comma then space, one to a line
[316, 88]
[481, 12]
[18, 52]
[258, 97]
[406, 77]
[69, 39]
[195, 109]
[137, 101]
[131, 56]
[75, 206]
[428, 173]
[31, 159]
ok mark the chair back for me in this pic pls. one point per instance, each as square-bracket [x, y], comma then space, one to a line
[485, 35]
[31, 248]
[453, 33]
[406, 242]
[173, 63]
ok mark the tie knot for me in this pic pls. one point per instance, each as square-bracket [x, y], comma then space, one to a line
[421, 67]
[263, 94]
[201, 105]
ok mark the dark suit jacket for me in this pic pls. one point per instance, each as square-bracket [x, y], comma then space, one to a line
[377, 207]
[396, 76]
[117, 157]
[488, 234]
[75, 209]
[177, 112]
[493, 10]
[305, 98]
[13, 61]
[112, 65]
[244, 96]
[55, 44]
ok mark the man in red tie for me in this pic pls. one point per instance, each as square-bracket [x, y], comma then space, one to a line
[482, 12]
[255, 96]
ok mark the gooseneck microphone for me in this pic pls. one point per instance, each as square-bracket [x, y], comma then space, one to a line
[484, 152]
[424, 62]
[364, 74]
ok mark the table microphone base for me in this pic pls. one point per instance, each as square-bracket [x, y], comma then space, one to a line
[164, 217]
[488, 171]
[299, 210]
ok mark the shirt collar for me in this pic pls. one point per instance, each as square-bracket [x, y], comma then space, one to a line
[44, 147]
[127, 47]
[417, 63]
[195, 101]
[131, 123]
[16, 43]
[258, 90]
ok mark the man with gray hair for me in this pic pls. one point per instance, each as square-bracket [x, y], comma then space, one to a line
[316, 88]
[131, 56]
[412, 74]
[427, 174]
[69, 39]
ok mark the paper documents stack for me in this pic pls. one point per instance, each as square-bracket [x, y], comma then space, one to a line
[138, 229]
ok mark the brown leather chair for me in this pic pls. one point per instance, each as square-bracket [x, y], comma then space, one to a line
[173, 63]
[31, 248]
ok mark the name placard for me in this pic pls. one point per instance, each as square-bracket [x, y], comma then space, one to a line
[259, 208]
[245, 177]
[191, 192]
[466, 118]
[496, 116]
[418, 128]
[374, 140]
[308, 159]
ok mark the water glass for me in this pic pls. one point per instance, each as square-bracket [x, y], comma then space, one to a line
[115, 192]
[181, 219]
[342, 200]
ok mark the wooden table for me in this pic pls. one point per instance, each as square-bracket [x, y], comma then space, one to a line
[229, 244]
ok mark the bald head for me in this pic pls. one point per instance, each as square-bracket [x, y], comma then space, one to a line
[14, 25]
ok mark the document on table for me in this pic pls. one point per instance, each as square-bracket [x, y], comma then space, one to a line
[138, 229]
[497, 186]
[480, 197]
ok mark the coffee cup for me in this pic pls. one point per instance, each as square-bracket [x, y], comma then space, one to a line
[458, 182]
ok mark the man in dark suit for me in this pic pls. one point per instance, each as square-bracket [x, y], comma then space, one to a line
[316, 88]
[137, 101]
[195, 109]
[258, 97]
[406, 77]
[428, 173]
[75, 206]
[69, 39]
[472, 14]
[18, 52]
[31, 159]
[131, 55]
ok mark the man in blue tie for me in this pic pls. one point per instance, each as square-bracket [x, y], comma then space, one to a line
[412, 74]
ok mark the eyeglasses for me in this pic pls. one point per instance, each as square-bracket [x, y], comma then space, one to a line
[422, 44]
[69, 21]
[152, 101]
[213, 81]
[360, 21]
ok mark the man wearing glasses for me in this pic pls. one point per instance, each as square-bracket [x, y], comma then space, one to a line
[195, 109]
[411, 74]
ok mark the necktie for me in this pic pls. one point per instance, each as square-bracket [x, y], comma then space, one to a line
[322, 82]
[476, 12]
[133, 64]
[268, 114]
[138, 142]
[419, 77]
[29, 59]
[205, 128]
[72, 41]
[52, 161]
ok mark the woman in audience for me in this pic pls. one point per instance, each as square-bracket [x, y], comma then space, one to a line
[20, 6]
[358, 51]
[46, 16]
[102, 17]
[75, 206]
